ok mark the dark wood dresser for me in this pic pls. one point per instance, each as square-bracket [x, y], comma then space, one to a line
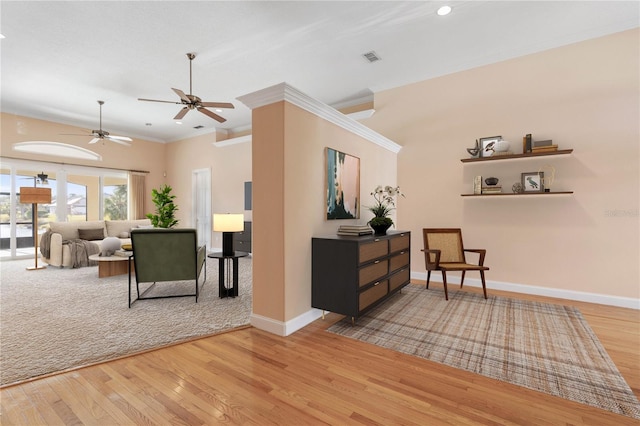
[351, 275]
[242, 239]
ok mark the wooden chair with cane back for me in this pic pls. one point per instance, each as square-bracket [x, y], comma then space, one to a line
[444, 251]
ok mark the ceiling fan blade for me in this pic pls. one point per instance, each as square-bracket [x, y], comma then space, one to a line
[181, 114]
[212, 115]
[119, 139]
[217, 104]
[182, 95]
[75, 134]
[155, 100]
[94, 140]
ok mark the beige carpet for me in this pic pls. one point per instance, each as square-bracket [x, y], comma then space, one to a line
[55, 319]
[544, 347]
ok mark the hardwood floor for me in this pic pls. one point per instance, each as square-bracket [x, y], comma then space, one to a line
[311, 377]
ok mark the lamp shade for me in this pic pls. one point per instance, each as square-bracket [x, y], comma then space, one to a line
[228, 222]
[29, 195]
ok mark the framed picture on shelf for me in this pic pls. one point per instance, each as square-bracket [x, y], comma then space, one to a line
[487, 145]
[533, 181]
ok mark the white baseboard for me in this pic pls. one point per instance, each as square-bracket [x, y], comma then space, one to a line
[603, 299]
[285, 328]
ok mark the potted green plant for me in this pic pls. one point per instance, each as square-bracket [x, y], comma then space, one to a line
[385, 203]
[165, 208]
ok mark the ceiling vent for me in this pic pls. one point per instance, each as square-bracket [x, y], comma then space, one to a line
[372, 56]
[199, 127]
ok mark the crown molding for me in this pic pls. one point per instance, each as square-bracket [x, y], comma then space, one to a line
[285, 92]
[232, 141]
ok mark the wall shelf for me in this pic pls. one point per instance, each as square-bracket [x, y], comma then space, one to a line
[513, 156]
[526, 194]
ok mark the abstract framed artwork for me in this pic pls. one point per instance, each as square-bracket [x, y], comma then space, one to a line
[343, 185]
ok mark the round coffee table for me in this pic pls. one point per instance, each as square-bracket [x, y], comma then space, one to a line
[108, 266]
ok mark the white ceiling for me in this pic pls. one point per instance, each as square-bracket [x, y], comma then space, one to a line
[60, 57]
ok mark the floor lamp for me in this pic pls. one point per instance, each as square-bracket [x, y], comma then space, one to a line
[228, 224]
[35, 196]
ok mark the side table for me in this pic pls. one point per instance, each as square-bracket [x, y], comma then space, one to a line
[108, 266]
[226, 286]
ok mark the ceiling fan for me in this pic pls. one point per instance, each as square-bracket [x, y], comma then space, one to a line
[100, 135]
[191, 101]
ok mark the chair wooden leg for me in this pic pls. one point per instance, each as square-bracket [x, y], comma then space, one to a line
[484, 286]
[428, 278]
[444, 282]
[462, 279]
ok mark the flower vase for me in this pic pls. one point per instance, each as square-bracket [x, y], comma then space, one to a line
[380, 229]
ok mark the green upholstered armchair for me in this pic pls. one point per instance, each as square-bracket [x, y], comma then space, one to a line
[161, 255]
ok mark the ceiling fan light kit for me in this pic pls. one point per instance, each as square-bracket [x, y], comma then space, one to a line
[192, 101]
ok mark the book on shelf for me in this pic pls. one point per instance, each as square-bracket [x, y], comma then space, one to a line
[477, 185]
[550, 148]
[526, 143]
[123, 253]
[492, 189]
[538, 144]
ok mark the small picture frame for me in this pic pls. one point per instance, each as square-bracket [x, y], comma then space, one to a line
[487, 145]
[533, 181]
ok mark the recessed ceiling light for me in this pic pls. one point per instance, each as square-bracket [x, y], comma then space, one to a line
[218, 110]
[444, 10]
[178, 122]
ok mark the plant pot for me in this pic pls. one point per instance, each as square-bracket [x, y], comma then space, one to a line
[380, 229]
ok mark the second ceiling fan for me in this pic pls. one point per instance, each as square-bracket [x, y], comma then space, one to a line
[191, 101]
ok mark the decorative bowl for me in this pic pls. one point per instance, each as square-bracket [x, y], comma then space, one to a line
[501, 146]
[491, 181]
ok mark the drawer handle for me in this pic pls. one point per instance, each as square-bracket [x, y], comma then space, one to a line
[376, 240]
[376, 262]
[402, 252]
[376, 283]
[402, 235]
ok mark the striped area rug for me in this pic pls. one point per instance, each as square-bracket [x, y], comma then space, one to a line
[544, 347]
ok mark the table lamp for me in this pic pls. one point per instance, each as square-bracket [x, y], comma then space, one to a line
[228, 223]
[29, 195]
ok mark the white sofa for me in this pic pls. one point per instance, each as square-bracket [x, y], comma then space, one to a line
[60, 255]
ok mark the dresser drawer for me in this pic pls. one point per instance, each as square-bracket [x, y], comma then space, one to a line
[399, 260]
[242, 246]
[399, 278]
[373, 250]
[371, 273]
[373, 294]
[401, 242]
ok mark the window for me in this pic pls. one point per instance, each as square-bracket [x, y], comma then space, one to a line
[78, 194]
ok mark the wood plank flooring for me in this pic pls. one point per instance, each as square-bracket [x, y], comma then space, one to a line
[312, 377]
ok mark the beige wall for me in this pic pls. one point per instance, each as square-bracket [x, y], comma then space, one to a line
[268, 242]
[141, 155]
[583, 96]
[230, 167]
[290, 200]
